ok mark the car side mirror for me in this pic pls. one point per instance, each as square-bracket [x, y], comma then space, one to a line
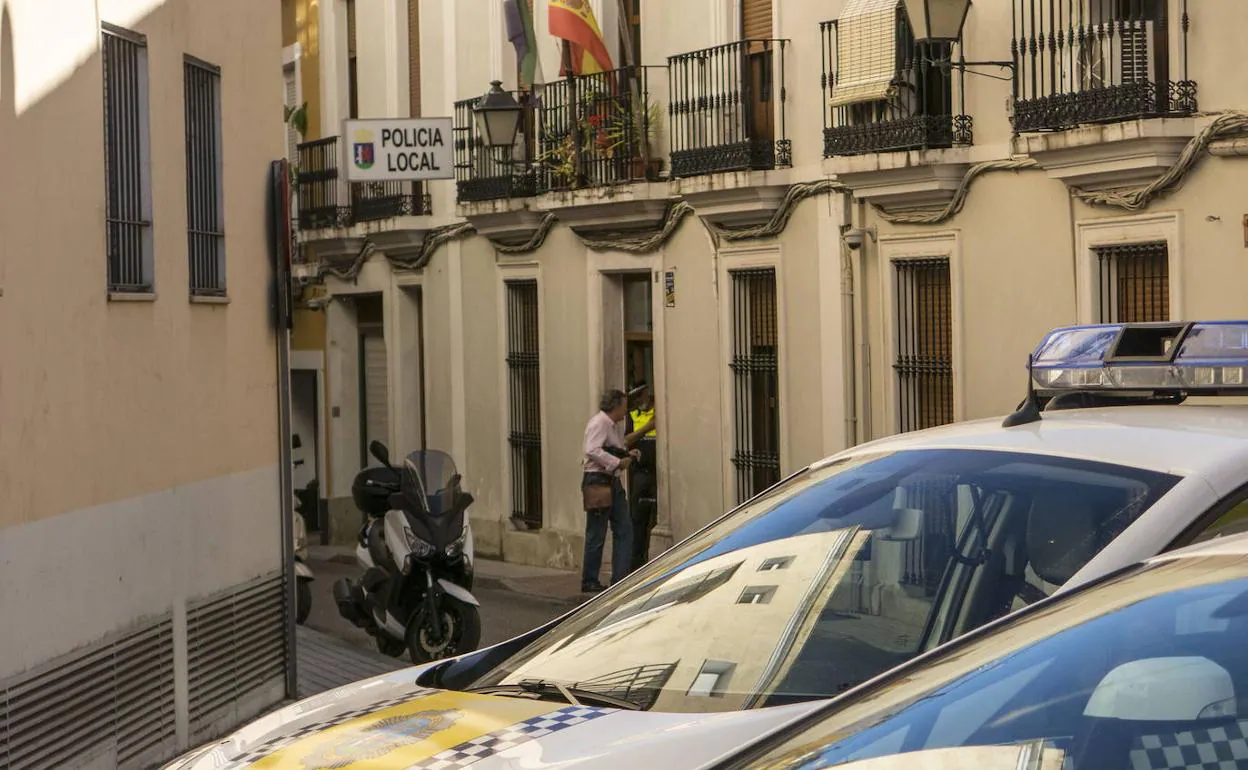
[907, 525]
[1175, 689]
[378, 450]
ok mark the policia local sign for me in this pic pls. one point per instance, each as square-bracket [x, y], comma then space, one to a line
[399, 149]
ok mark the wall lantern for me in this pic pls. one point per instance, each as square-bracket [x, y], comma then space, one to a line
[937, 20]
[497, 116]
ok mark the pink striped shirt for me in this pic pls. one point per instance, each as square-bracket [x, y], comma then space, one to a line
[599, 432]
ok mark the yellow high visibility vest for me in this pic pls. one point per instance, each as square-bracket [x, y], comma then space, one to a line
[641, 417]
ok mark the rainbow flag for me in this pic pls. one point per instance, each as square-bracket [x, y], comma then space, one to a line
[520, 34]
[573, 21]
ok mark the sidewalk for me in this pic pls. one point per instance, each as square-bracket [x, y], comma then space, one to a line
[324, 663]
[563, 586]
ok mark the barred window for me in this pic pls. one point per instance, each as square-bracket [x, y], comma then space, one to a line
[524, 397]
[924, 324]
[127, 161]
[756, 380]
[205, 226]
[1134, 282]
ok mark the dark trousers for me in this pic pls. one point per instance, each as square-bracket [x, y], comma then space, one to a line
[596, 523]
[644, 487]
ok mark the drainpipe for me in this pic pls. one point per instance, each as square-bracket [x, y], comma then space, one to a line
[850, 372]
[865, 327]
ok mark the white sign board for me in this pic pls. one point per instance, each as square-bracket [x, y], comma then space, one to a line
[399, 149]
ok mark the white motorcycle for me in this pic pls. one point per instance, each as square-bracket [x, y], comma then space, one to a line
[416, 552]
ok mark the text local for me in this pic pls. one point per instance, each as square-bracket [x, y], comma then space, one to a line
[415, 160]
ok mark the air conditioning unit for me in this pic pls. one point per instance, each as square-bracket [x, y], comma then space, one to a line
[1117, 54]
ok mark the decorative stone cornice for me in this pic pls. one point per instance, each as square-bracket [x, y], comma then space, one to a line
[902, 181]
[1113, 155]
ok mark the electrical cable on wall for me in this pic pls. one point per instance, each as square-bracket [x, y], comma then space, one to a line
[1225, 125]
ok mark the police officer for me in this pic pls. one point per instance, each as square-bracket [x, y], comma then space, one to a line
[643, 474]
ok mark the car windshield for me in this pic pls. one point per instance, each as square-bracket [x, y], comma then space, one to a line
[1145, 669]
[837, 574]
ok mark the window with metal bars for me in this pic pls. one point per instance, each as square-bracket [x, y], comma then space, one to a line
[756, 380]
[1134, 282]
[127, 161]
[525, 402]
[205, 210]
[924, 363]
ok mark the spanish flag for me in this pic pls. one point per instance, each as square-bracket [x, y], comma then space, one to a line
[573, 21]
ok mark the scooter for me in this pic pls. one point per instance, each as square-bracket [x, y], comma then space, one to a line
[303, 573]
[416, 551]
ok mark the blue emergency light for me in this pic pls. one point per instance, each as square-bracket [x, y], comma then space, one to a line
[1196, 358]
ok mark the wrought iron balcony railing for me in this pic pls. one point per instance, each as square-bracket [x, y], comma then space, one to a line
[1098, 61]
[598, 130]
[912, 111]
[727, 110]
[326, 200]
[484, 173]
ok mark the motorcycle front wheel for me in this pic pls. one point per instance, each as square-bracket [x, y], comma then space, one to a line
[461, 631]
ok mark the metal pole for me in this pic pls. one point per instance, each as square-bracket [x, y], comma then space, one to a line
[279, 222]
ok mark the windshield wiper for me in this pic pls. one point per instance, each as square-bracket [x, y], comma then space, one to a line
[577, 696]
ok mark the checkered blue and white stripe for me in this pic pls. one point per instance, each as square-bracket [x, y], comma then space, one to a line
[1219, 748]
[475, 750]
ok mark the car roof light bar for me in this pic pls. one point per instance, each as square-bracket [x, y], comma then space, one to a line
[1196, 358]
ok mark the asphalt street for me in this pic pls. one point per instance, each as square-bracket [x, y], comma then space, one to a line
[504, 613]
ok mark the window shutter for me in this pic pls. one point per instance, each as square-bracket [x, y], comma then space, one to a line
[756, 20]
[413, 55]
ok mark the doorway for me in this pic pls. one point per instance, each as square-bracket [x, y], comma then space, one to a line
[306, 451]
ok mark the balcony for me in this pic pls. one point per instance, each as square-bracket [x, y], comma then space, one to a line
[1090, 61]
[727, 109]
[326, 200]
[870, 107]
[1102, 95]
[599, 130]
[487, 174]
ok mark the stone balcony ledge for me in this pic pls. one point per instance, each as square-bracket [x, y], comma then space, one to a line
[1098, 157]
[734, 198]
[614, 208]
[912, 179]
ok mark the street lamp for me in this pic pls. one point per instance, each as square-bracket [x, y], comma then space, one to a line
[937, 20]
[497, 116]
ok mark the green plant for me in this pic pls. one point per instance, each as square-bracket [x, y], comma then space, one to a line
[296, 118]
[560, 158]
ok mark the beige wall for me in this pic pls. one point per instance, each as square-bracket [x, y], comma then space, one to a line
[135, 396]
[139, 454]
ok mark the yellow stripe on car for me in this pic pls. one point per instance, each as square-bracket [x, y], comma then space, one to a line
[403, 735]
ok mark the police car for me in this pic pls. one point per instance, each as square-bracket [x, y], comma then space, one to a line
[1146, 670]
[842, 571]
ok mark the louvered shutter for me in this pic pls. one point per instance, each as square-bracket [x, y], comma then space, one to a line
[756, 20]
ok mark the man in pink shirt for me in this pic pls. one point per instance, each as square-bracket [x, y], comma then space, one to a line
[606, 456]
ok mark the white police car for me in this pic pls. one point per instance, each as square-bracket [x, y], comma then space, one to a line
[1145, 669]
[838, 573]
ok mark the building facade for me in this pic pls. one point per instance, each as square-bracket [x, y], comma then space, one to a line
[803, 227]
[141, 530]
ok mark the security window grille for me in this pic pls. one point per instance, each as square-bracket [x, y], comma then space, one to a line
[924, 364]
[127, 165]
[205, 216]
[756, 381]
[1134, 282]
[524, 394]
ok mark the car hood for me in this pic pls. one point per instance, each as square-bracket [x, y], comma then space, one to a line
[391, 723]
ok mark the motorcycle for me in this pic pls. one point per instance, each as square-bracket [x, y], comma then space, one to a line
[303, 573]
[415, 547]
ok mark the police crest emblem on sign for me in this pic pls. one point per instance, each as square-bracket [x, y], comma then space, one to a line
[363, 149]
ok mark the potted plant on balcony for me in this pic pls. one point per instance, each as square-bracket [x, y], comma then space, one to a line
[622, 131]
